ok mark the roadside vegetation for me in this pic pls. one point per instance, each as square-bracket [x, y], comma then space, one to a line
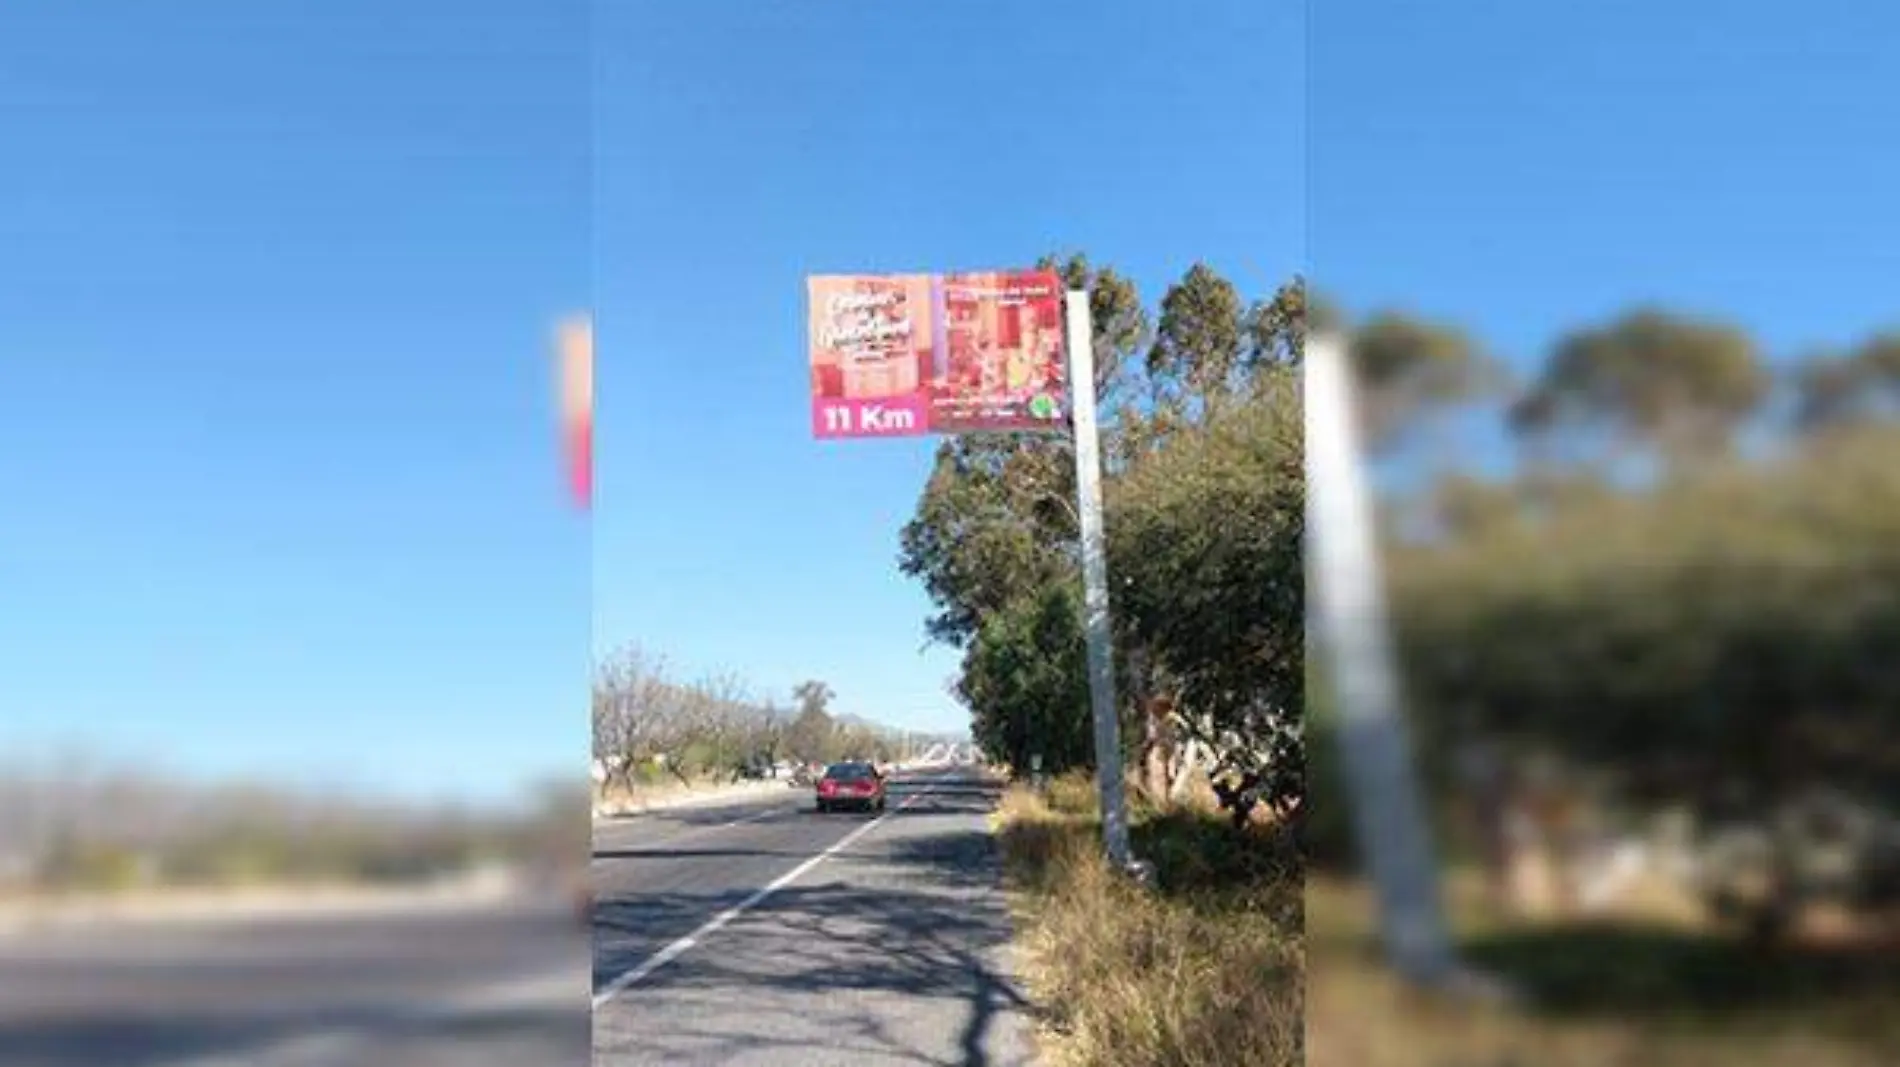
[75, 824]
[1652, 664]
[1205, 499]
[82, 827]
[1205, 506]
[1650, 658]
[1649, 986]
[655, 735]
[1204, 970]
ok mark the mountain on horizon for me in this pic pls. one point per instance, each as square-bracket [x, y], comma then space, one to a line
[952, 737]
[948, 736]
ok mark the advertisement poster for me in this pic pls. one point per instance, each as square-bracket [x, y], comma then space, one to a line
[910, 354]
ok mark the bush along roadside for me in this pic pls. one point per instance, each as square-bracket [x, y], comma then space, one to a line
[1205, 969]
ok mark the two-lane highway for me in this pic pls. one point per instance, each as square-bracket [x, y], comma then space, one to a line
[500, 984]
[768, 934]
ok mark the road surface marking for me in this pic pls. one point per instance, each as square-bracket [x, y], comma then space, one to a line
[678, 948]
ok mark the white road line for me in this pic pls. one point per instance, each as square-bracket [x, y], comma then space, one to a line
[673, 951]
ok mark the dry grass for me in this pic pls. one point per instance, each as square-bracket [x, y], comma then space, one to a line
[1202, 971]
[1634, 991]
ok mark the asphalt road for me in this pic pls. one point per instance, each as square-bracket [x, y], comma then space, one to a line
[766, 934]
[503, 985]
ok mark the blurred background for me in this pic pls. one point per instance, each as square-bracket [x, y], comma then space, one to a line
[1616, 281]
[294, 637]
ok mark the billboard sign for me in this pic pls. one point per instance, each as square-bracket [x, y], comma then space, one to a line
[910, 354]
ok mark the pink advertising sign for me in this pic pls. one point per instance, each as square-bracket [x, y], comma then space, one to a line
[911, 354]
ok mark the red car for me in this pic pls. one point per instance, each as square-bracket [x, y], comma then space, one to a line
[856, 785]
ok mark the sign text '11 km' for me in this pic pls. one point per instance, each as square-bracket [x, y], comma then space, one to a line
[910, 354]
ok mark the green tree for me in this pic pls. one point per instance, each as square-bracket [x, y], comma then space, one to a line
[1026, 683]
[1677, 387]
[813, 733]
[1735, 629]
[1198, 350]
[994, 537]
[812, 736]
[996, 513]
[1276, 328]
[1118, 319]
[1207, 548]
[1863, 385]
[1409, 369]
[813, 695]
[993, 519]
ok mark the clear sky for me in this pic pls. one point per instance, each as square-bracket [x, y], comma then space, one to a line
[744, 145]
[279, 489]
[1525, 168]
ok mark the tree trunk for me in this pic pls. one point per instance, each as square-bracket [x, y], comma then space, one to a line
[1188, 761]
[1153, 758]
[1491, 812]
[1141, 687]
[620, 771]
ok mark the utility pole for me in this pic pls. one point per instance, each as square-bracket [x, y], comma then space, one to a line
[1101, 649]
[1374, 747]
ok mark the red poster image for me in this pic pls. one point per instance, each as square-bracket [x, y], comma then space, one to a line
[903, 355]
[574, 353]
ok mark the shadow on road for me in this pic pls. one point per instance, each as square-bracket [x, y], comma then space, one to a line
[922, 924]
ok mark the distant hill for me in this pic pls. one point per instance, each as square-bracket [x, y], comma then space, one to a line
[948, 737]
[783, 714]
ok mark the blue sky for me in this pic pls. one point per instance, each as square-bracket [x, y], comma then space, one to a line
[281, 496]
[280, 493]
[1524, 168]
[744, 145]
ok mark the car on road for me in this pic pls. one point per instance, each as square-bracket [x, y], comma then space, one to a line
[853, 784]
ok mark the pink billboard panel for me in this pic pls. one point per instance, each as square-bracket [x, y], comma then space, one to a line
[575, 371]
[911, 354]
